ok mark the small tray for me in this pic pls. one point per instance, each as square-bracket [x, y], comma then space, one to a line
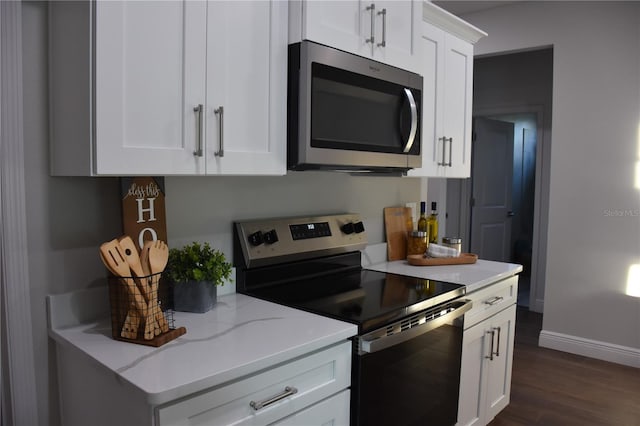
[463, 259]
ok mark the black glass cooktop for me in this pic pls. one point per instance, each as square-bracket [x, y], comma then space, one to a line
[367, 298]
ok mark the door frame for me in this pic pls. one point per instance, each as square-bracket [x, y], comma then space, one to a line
[541, 196]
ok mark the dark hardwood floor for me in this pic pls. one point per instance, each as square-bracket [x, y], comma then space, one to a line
[555, 388]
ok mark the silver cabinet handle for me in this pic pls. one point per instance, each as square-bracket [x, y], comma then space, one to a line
[372, 9]
[444, 149]
[493, 300]
[198, 109]
[450, 151]
[288, 391]
[493, 335]
[498, 343]
[220, 113]
[414, 120]
[383, 12]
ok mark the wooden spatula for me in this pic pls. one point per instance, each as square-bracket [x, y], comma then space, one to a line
[114, 258]
[133, 260]
[132, 320]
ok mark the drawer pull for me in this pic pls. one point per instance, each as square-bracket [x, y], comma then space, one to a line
[493, 300]
[288, 391]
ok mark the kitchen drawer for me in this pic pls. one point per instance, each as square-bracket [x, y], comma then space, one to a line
[315, 377]
[332, 411]
[490, 300]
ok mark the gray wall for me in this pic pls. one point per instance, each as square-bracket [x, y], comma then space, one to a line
[594, 155]
[68, 218]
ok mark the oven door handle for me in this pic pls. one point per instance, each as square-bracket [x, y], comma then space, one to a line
[375, 345]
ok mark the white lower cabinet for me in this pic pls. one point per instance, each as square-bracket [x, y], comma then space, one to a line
[312, 390]
[487, 353]
[333, 411]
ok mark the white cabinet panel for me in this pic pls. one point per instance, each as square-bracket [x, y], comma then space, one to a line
[447, 68]
[144, 119]
[151, 65]
[314, 378]
[387, 31]
[330, 412]
[487, 353]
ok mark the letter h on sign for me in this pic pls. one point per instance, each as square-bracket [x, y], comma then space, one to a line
[143, 210]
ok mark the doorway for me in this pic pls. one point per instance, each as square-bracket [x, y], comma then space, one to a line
[516, 88]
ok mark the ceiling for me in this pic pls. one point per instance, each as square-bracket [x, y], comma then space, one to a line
[462, 7]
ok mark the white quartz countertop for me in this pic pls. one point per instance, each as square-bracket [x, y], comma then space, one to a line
[474, 276]
[240, 336]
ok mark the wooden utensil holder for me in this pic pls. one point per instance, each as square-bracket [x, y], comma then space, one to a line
[123, 312]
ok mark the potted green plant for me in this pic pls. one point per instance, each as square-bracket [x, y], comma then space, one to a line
[195, 271]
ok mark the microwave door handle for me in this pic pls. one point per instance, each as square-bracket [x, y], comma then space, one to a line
[371, 346]
[414, 120]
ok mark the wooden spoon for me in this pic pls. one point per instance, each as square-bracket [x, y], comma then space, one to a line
[132, 320]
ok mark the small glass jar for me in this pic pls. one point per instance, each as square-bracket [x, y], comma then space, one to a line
[455, 243]
[417, 243]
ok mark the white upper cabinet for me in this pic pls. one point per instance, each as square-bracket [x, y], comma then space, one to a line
[149, 73]
[129, 104]
[447, 69]
[387, 31]
[246, 103]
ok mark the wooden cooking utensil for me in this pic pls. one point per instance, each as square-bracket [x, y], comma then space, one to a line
[131, 256]
[114, 258]
[144, 261]
[156, 254]
[397, 226]
[132, 320]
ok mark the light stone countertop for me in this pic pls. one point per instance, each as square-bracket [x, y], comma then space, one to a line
[474, 276]
[239, 336]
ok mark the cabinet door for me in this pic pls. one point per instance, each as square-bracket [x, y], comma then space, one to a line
[397, 25]
[332, 411]
[432, 43]
[246, 81]
[457, 103]
[149, 75]
[472, 376]
[499, 378]
[345, 25]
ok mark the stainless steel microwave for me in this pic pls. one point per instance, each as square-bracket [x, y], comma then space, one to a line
[350, 113]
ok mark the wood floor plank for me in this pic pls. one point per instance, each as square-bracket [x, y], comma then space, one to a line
[553, 388]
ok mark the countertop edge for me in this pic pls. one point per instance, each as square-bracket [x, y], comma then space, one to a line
[340, 333]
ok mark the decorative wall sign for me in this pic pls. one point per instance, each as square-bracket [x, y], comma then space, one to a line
[143, 212]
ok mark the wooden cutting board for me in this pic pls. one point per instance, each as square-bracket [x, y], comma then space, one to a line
[397, 224]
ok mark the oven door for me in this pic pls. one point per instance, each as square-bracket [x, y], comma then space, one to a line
[408, 373]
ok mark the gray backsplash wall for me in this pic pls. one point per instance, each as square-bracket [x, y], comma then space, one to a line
[203, 208]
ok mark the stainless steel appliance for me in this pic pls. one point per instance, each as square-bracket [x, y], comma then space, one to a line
[347, 112]
[406, 356]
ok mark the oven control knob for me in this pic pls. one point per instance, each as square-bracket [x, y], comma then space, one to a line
[358, 227]
[348, 228]
[256, 238]
[271, 237]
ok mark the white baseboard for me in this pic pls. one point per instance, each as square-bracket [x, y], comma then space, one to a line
[590, 348]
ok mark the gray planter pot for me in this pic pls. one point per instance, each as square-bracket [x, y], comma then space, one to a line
[194, 296]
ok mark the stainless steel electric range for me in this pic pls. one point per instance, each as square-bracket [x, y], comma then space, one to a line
[406, 356]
